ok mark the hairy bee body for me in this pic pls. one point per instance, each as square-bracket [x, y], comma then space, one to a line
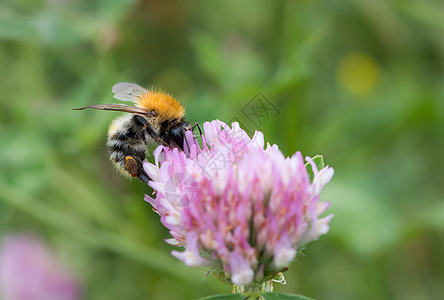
[127, 137]
[156, 117]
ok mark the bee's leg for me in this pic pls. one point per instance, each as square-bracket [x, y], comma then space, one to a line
[131, 166]
[155, 137]
[135, 169]
[142, 122]
[144, 177]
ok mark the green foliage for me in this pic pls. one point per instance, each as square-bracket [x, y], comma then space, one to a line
[225, 297]
[281, 296]
[358, 81]
[264, 296]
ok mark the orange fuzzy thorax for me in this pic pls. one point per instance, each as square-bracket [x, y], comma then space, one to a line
[163, 104]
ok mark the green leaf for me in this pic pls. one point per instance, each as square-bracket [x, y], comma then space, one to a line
[265, 296]
[319, 161]
[225, 297]
[280, 296]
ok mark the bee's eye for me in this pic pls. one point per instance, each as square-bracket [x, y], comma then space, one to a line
[177, 135]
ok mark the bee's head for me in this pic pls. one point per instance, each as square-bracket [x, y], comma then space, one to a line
[173, 132]
[178, 135]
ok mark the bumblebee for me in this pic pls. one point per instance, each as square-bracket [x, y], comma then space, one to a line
[156, 117]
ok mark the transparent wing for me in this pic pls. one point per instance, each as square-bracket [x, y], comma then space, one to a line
[127, 91]
[117, 107]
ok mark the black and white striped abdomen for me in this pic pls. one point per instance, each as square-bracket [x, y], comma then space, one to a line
[127, 136]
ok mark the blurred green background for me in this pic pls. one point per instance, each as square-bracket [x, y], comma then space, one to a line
[361, 82]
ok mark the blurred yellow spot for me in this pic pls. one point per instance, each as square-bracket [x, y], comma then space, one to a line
[358, 73]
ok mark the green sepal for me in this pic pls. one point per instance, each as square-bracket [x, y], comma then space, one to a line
[280, 296]
[319, 161]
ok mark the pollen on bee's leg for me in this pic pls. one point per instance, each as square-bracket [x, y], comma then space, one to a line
[131, 166]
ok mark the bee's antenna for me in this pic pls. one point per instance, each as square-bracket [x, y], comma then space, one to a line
[198, 127]
[192, 129]
[188, 145]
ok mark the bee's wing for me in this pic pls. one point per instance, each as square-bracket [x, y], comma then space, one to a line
[118, 107]
[127, 91]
